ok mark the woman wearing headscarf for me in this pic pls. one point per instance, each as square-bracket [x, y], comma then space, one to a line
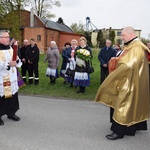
[53, 58]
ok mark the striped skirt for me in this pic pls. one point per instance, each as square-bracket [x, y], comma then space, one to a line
[52, 73]
[81, 79]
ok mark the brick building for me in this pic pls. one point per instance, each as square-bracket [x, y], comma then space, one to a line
[44, 31]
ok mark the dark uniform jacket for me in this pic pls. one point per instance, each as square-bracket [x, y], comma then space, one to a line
[33, 54]
[23, 51]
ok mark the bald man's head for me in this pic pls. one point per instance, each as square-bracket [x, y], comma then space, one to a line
[25, 42]
[128, 33]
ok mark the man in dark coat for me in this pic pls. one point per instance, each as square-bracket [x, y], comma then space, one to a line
[32, 56]
[104, 56]
[24, 67]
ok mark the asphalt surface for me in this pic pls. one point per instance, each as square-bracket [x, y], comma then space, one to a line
[56, 124]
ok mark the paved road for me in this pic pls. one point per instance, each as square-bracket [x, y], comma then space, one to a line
[54, 124]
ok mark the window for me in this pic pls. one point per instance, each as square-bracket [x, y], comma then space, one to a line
[118, 33]
[119, 41]
[38, 37]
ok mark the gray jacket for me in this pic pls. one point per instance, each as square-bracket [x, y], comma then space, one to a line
[53, 58]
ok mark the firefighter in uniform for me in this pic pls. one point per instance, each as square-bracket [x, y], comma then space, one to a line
[32, 56]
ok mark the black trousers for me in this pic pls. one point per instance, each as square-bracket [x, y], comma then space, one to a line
[104, 73]
[124, 130]
[9, 106]
[24, 70]
[111, 114]
[33, 68]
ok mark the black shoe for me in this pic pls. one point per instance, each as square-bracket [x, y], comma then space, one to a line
[1, 122]
[36, 82]
[114, 136]
[54, 80]
[79, 91]
[83, 91]
[71, 86]
[24, 80]
[13, 117]
[30, 81]
[53, 83]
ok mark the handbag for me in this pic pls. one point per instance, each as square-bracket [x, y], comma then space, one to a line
[90, 68]
[70, 72]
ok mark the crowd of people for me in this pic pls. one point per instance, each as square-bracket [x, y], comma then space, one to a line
[29, 55]
[71, 60]
[124, 77]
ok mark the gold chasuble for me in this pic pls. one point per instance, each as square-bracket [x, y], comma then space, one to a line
[126, 89]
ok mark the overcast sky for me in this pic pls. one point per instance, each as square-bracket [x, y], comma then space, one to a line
[106, 13]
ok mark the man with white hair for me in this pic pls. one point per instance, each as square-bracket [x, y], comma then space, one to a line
[126, 89]
[105, 54]
[24, 67]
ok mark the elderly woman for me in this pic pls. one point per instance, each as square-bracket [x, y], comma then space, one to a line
[53, 58]
[82, 78]
[70, 55]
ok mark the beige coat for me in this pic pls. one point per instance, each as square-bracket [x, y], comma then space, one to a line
[53, 58]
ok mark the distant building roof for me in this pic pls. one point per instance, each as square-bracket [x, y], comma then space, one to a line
[56, 26]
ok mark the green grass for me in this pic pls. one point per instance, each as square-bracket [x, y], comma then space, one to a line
[60, 90]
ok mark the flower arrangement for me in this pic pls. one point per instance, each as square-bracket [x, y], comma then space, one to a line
[83, 54]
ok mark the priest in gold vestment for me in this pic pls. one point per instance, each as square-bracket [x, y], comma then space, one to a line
[126, 89]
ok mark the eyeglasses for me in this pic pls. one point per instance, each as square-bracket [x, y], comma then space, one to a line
[4, 37]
